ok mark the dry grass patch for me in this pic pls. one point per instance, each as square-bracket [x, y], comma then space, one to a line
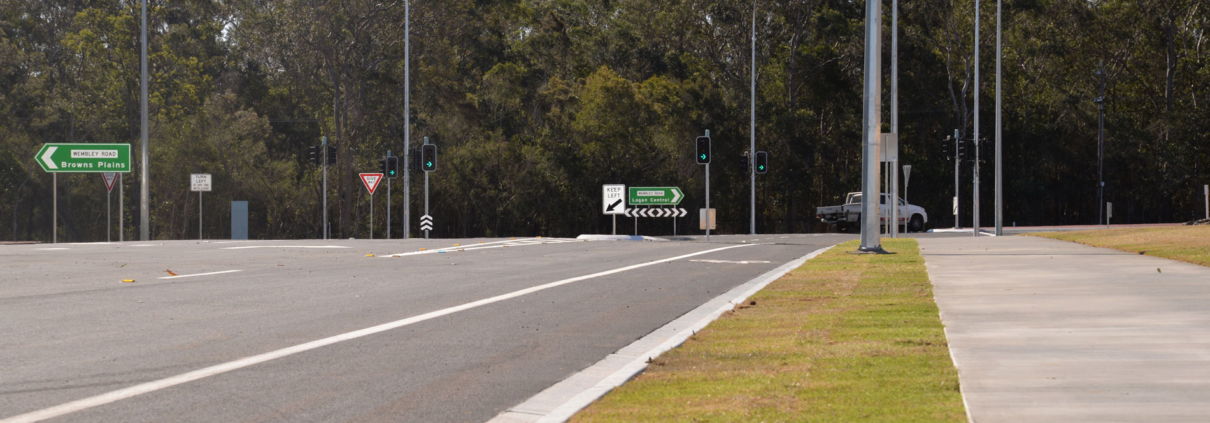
[843, 338]
[1185, 243]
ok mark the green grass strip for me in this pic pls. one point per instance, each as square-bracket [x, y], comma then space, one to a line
[843, 338]
[1189, 244]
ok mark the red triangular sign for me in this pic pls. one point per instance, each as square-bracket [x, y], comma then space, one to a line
[109, 180]
[371, 181]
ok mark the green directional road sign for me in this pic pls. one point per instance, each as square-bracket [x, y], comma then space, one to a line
[656, 196]
[84, 158]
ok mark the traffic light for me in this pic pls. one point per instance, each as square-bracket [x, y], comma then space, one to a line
[331, 154]
[947, 148]
[382, 166]
[762, 162]
[392, 167]
[428, 161]
[746, 165]
[415, 158]
[962, 149]
[313, 154]
[703, 150]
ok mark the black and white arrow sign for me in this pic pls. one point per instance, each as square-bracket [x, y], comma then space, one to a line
[637, 212]
[426, 223]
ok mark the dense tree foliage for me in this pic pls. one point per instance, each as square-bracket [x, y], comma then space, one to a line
[536, 103]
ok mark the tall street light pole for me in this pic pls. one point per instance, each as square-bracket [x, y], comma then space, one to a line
[871, 128]
[407, 119]
[975, 226]
[1101, 148]
[893, 224]
[145, 191]
[999, 150]
[752, 130]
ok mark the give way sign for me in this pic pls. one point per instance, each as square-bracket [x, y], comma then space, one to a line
[371, 181]
[109, 178]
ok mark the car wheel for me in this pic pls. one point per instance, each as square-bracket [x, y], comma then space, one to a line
[916, 224]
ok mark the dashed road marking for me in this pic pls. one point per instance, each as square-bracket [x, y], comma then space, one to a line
[200, 274]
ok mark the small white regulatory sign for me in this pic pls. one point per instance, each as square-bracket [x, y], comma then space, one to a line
[613, 199]
[199, 182]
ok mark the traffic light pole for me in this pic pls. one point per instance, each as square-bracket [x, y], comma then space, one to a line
[707, 197]
[957, 181]
[426, 192]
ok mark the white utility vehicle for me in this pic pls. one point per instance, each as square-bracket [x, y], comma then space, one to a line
[848, 216]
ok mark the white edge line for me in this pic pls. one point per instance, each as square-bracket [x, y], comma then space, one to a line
[143, 388]
[537, 409]
[200, 274]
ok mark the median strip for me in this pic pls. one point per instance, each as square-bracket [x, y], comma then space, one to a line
[843, 338]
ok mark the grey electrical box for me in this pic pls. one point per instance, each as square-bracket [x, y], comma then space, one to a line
[239, 220]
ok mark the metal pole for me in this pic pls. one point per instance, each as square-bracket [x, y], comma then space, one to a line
[752, 146]
[975, 223]
[636, 220]
[957, 182]
[325, 222]
[871, 127]
[615, 224]
[999, 148]
[121, 210]
[371, 215]
[199, 216]
[426, 193]
[1101, 148]
[1206, 188]
[54, 194]
[145, 192]
[893, 227]
[407, 125]
[108, 217]
[388, 197]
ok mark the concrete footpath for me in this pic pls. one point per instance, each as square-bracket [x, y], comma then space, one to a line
[1051, 331]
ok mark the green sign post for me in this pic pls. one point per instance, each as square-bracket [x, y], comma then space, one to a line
[656, 196]
[84, 158]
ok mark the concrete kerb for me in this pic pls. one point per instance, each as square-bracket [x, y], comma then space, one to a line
[562, 400]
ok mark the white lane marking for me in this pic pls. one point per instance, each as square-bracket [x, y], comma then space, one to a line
[51, 249]
[143, 245]
[121, 394]
[732, 262]
[284, 246]
[486, 245]
[562, 400]
[200, 274]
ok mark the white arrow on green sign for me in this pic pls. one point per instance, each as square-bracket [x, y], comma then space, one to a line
[84, 158]
[656, 195]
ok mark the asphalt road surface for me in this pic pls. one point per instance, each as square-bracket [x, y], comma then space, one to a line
[305, 331]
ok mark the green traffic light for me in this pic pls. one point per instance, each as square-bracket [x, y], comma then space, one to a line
[703, 157]
[429, 164]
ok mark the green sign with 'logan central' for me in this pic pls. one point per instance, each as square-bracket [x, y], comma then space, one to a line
[656, 196]
[84, 158]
